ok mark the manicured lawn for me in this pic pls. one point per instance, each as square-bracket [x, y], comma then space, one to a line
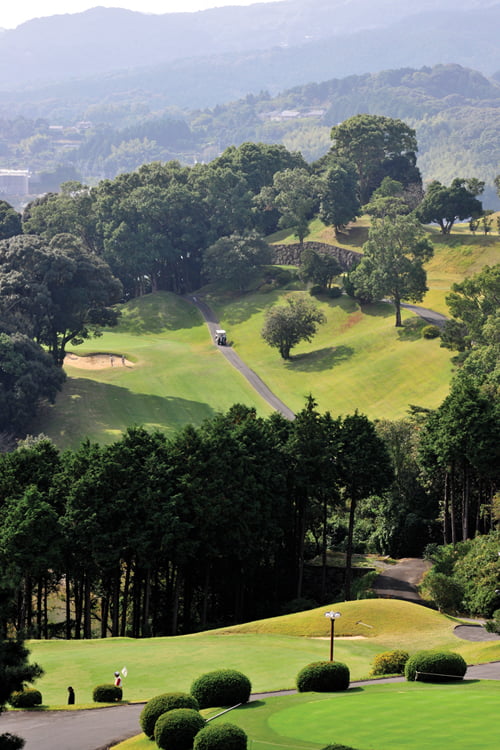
[271, 652]
[357, 360]
[178, 377]
[393, 716]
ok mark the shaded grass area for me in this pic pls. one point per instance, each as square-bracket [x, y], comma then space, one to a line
[177, 377]
[271, 652]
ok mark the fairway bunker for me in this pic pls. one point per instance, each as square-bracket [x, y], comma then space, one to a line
[97, 361]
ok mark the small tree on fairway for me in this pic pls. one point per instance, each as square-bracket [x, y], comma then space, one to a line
[392, 264]
[286, 325]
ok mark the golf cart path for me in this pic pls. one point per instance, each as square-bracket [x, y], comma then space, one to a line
[100, 729]
[400, 580]
[255, 381]
[238, 363]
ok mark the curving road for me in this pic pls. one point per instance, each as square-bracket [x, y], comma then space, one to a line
[238, 364]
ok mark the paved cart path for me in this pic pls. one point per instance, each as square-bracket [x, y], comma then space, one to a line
[255, 381]
[100, 729]
[237, 362]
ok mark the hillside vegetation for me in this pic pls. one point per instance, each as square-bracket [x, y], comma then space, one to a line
[357, 360]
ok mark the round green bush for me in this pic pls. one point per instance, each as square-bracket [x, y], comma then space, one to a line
[176, 729]
[435, 666]
[323, 677]
[390, 662]
[223, 687]
[220, 737]
[26, 698]
[107, 694]
[430, 332]
[159, 705]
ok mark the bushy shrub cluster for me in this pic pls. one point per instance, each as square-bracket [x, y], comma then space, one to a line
[430, 332]
[435, 666]
[26, 698]
[107, 693]
[220, 737]
[159, 705]
[223, 687]
[493, 625]
[323, 677]
[338, 747]
[176, 729]
[390, 662]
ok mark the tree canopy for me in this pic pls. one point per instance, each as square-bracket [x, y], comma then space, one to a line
[392, 263]
[58, 290]
[444, 205]
[287, 325]
[378, 146]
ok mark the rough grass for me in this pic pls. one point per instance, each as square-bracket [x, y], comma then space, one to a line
[270, 652]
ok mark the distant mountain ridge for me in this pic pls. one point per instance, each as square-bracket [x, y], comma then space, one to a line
[344, 36]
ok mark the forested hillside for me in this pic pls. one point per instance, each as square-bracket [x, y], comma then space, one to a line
[454, 110]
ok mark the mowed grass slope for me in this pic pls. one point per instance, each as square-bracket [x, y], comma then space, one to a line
[177, 377]
[271, 652]
[357, 360]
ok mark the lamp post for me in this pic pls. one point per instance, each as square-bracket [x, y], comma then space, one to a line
[333, 616]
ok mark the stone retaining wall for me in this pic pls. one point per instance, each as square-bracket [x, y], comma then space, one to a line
[289, 255]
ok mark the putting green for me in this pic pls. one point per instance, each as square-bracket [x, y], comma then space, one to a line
[386, 717]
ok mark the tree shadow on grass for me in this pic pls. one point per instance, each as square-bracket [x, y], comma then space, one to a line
[103, 412]
[411, 329]
[379, 309]
[321, 359]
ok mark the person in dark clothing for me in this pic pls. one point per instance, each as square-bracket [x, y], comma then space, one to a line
[71, 696]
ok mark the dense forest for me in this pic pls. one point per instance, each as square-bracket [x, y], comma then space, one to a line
[150, 536]
[454, 111]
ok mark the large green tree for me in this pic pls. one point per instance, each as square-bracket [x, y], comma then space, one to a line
[444, 205]
[364, 469]
[286, 325]
[338, 194]
[294, 193]
[60, 291]
[393, 261]
[378, 146]
[236, 258]
[28, 376]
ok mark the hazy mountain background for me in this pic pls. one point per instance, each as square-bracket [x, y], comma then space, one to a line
[225, 75]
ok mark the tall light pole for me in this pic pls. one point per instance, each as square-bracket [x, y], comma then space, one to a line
[333, 616]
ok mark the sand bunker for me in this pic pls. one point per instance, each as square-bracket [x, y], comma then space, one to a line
[96, 361]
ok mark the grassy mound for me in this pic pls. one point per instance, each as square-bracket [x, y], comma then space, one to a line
[270, 652]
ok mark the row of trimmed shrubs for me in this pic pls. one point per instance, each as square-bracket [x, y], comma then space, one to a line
[174, 721]
[30, 697]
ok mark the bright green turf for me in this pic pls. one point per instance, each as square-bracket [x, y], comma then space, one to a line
[357, 360]
[177, 377]
[393, 716]
[270, 652]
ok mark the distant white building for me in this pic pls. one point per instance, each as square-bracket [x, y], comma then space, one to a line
[14, 181]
